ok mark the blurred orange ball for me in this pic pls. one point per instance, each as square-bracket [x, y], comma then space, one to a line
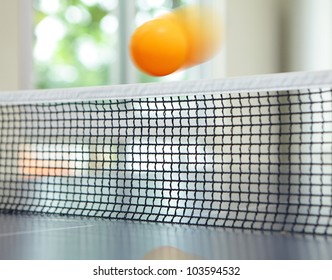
[203, 29]
[182, 38]
[159, 47]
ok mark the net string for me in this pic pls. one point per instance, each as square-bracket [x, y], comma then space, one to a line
[255, 160]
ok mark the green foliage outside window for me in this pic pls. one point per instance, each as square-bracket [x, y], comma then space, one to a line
[76, 41]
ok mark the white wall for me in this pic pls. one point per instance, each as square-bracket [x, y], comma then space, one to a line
[9, 46]
[307, 28]
[15, 44]
[267, 36]
[252, 37]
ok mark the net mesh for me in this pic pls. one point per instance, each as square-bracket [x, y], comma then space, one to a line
[257, 160]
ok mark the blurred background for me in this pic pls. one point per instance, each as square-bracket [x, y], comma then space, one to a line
[70, 43]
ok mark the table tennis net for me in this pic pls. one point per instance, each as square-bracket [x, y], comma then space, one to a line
[248, 159]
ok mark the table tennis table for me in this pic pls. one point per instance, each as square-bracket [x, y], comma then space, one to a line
[236, 168]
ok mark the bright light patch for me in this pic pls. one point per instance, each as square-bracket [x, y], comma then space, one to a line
[49, 7]
[155, 3]
[160, 12]
[48, 32]
[77, 15]
[109, 24]
[63, 73]
[88, 54]
[142, 17]
[109, 4]
[53, 160]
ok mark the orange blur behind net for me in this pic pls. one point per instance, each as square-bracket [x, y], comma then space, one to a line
[32, 166]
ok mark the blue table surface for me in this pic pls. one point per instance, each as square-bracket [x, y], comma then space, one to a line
[74, 238]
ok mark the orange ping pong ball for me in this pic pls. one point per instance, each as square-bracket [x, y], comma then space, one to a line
[203, 28]
[159, 47]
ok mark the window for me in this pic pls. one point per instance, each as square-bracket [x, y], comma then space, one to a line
[84, 42]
